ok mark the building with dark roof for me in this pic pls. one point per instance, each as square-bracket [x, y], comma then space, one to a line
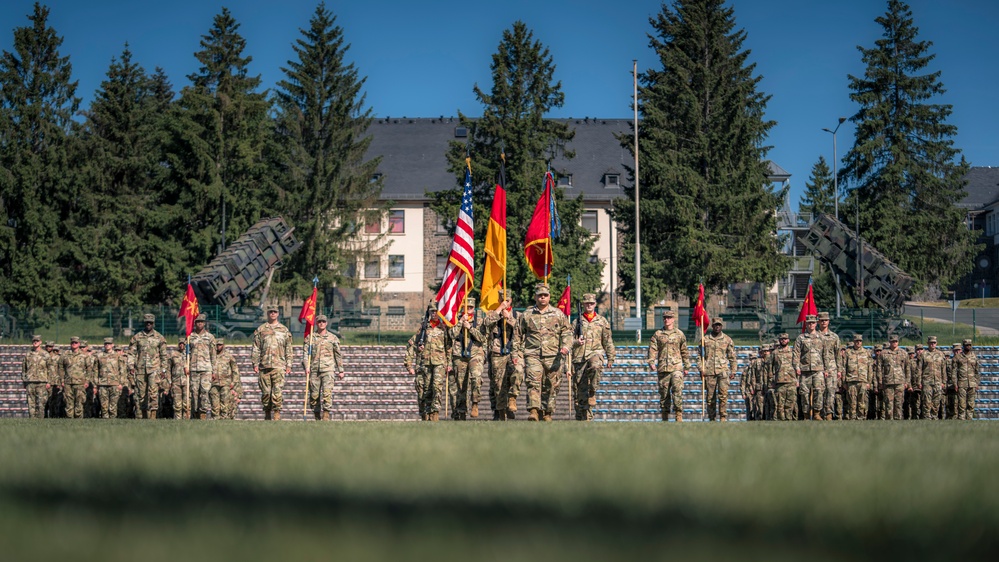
[981, 203]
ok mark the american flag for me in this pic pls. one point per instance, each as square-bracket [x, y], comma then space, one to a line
[460, 271]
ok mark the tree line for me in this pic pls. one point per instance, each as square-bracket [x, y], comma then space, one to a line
[117, 208]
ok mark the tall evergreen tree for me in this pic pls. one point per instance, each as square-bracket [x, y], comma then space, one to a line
[321, 125]
[37, 103]
[818, 196]
[706, 204]
[523, 92]
[123, 149]
[903, 161]
[220, 132]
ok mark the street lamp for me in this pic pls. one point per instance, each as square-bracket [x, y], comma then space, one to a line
[836, 197]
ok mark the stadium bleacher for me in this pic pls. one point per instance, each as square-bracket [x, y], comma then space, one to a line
[377, 387]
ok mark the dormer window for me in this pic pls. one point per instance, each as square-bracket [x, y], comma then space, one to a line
[612, 180]
[565, 181]
[376, 177]
[460, 132]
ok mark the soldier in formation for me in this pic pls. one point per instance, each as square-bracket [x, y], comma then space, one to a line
[227, 388]
[177, 373]
[35, 377]
[669, 358]
[468, 355]
[718, 366]
[810, 357]
[932, 377]
[591, 352]
[201, 352]
[506, 370]
[966, 376]
[429, 361]
[894, 379]
[322, 362]
[857, 377]
[148, 366]
[755, 383]
[73, 378]
[271, 356]
[543, 340]
[111, 377]
[785, 377]
[832, 373]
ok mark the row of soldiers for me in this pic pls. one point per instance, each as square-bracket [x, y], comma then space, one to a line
[886, 382]
[538, 347]
[197, 378]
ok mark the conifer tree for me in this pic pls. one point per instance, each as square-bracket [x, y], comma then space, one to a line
[707, 209]
[818, 196]
[220, 131]
[122, 141]
[37, 182]
[523, 92]
[321, 128]
[907, 171]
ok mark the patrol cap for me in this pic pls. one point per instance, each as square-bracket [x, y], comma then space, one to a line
[84, 343]
[823, 316]
[931, 339]
[76, 339]
[470, 302]
[878, 347]
[717, 322]
[542, 289]
[589, 298]
[893, 337]
[858, 337]
[109, 340]
[181, 339]
[148, 318]
[50, 343]
[271, 308]
[219, 341]
[322, 318]
[919, 346]
[783, 336]
[201, 317]
[668, 313]
[811, 318]
[966, 342]
[36, 337]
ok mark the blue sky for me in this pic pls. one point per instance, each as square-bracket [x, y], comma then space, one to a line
[421, 59]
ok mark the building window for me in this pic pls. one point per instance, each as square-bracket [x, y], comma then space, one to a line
[612, 180]
[373, 227]
[460, 132]
[565, 181]
[594, 259]
[441, 266]
[589, 221]
[397, 267]
[372, 269]
[397, 221]
[350, 270]
[376, 177]
[442, 227]
[396, 311]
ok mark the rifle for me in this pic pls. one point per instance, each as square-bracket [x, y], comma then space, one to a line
[579, 320]
[421, 337]
[506, 343]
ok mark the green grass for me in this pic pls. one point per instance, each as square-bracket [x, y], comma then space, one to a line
[375, 491]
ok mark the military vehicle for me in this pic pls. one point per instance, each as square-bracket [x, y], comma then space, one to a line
[228, 280]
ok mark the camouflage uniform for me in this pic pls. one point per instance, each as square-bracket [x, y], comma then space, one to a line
[271, 356]
[589, 358]
[913, 398]
[543, 334]
[202, 350]
[73, 377]
[858, 370]
[325, 362]
[226, 385]
[967, 374]
[179, 383]
[833, 373]
[809, 359]
[91, 409]
[718, 365]
[894, 378]
[782, 366]
[932, 376]
[669, 357]
[506, 370]
[149, 362]
[55, 408]
[430, 366]
[35, 377]
[110, 378]
[466, 374]
[753, 384]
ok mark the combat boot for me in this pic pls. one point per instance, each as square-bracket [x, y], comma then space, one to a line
[326, 416]
[828, 417]
[723, 418]
[461, 416]
[665, 414]
[547, 417]
[318, 415]
[511, 415]
[475, 411]
[145, 414]
[276, 416]
[511, 405]
[500, 415]
[534, 415]
[434, 416]
[496, 414]
[267, 414]
[185, 414]
[679, 416]
[152, 414]
[816, 416]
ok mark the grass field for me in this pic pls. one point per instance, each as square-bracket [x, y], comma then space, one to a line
[169, 490]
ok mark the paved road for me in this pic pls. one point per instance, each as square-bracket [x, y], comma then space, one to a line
[987, 319]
